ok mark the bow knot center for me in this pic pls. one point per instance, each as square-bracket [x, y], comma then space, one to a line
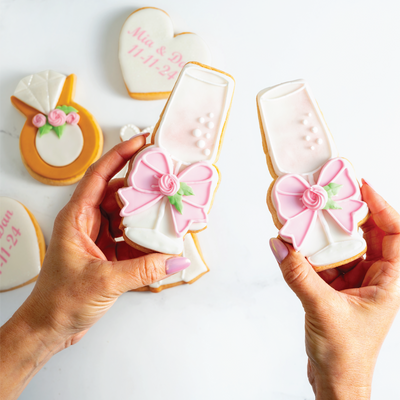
[169, 184]
[315, 198]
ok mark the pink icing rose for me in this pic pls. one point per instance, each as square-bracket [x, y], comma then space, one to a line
[315, 197]
[57, 117]
[169, 184]
[39, 120]
[73, 118]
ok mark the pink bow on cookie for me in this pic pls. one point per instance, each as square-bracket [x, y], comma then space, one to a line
[152, 178]
[297, 202]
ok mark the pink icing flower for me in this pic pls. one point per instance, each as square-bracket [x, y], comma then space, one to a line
[39, 120]
[315, 197]
[57, 117]
[73, 118]
[168, 184]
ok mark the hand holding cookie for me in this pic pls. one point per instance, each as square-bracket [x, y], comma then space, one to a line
[80, 279]
[350, 310]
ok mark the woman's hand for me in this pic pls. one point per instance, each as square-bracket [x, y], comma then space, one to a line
[83, 274]
[350, 310]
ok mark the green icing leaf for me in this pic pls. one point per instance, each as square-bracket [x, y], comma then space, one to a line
[59, 130]
[46, 128]
[332, 205]
[67, 109]
[186, 189]
[332, 189]
[176, 201]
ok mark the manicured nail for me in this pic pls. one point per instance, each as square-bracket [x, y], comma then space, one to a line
[364, 181]
[145, 135]
[176, 264]
[279, 250]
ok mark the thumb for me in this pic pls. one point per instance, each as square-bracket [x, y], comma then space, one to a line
[298, 273]
[145, 270]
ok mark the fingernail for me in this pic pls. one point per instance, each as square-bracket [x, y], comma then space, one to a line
[366, 182]
[279, 250]
[145, 135]
[176, 264]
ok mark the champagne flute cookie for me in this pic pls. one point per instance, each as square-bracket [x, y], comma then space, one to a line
[171, 183]
[151, 56]
[22, 246]
[315, 199]
[60, 138]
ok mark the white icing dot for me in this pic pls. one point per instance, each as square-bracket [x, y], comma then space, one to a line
[309, 114]
[207, 152]
[319, 141]
[197, 132]
[305, 122]
[201, 144]
[201, 120]
[314, 129]
[312, 147]
[208, 135]
[210, 124]
[307, 138]
[211, 115]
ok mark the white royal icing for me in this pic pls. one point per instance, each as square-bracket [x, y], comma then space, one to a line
[197, 266]
[149, 54]
[197, 93]
[19, 248]
[60, 151]
[282, 109]
[41, 91]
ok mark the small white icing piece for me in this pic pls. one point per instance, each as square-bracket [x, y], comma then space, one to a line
[211, 115]
[281, 108]
[19, 247]
[195, 270]
[309, 114]
[314, 129]
[312, 148]
[196, 132]
[319, 141]
[207, 152]
[305, 122]
[60, 151]
[210, 125]
[207, 135]
[201, 144]
[151, 56]
[197, 91]
[202, 120]
[126, 132]
[41, 91]
[308, 138]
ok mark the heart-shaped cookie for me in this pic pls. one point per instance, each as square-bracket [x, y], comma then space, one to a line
[151, 57]
[22, 245]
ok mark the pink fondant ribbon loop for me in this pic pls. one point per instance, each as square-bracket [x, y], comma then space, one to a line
[153, 168]
[297, 202]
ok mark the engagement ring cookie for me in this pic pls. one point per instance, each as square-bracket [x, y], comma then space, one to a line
[171, 184]
[151, 56]
[22, 246]
[60, 139]
[315, 199]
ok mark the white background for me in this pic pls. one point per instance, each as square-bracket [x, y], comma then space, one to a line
[238, 332]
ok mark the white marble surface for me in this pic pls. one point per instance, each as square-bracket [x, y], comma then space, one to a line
[238, 332]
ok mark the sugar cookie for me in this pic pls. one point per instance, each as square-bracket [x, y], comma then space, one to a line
[151, 56]
[171, 183]
[60, 139]
[22, 246]
[315, 199]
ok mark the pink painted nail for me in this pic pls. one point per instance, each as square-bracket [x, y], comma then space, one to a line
[366, 182]
[279, 250]
[176, 264]
[144, 134]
